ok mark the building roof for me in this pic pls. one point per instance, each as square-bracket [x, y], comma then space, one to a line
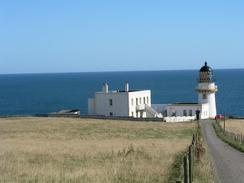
[122, 91]
[185, 103]
[129, 91]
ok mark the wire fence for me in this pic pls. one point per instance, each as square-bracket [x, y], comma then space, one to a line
[236, 137]
[192, 156]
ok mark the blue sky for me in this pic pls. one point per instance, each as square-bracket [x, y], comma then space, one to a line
[39, 36]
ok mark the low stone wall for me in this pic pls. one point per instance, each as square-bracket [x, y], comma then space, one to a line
[179, 119]
[121, 118]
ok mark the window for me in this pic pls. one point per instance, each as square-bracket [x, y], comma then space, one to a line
[136, 101]
[144, 100]
[140, 100]
[204, 96]
[184, 113]
[147, 100]
[110, 114]
[190, 112]
[110, 102]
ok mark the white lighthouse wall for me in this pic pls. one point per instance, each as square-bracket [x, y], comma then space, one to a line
[212, 105]
[209, 97]
[204, 86]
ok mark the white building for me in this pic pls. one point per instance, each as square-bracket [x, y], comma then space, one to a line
[129, 103]
[137, 103]
[186, 111]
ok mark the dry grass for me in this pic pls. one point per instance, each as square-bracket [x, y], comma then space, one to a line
[203, 169]
[84, 150]
[234, 125]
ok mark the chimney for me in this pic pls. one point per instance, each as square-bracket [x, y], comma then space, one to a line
[127, 89]
[105, 87]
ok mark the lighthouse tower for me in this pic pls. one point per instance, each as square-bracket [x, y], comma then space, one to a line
[206, 89]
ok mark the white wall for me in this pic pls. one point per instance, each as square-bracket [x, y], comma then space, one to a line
[119, 105]
[205, 111]
[179, 109]
[212, 106]
[210, 88]
[143, 98]
[91, 106]
[179, 119]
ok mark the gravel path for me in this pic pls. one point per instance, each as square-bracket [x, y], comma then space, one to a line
[228, 162]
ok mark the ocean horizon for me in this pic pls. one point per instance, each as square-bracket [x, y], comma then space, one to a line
[42, 93]
[115, 71]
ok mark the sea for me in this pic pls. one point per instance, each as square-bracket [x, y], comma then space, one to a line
[31, 94]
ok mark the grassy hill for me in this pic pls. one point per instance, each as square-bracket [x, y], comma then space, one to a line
[85, 150]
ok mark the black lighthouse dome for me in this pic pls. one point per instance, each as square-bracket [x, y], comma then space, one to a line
[206, 68]
[206, 74]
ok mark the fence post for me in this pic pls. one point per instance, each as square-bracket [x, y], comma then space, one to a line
[224, 123]
[194, 149]
[190, 164]
[193, 139]
[186, 171]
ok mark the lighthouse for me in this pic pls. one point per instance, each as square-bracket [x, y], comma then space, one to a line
[206, 89]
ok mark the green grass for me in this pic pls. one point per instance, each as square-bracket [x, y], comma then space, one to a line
[176, 170]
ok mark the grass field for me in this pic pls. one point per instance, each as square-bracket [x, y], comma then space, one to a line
[234, 125]
[85, 150]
